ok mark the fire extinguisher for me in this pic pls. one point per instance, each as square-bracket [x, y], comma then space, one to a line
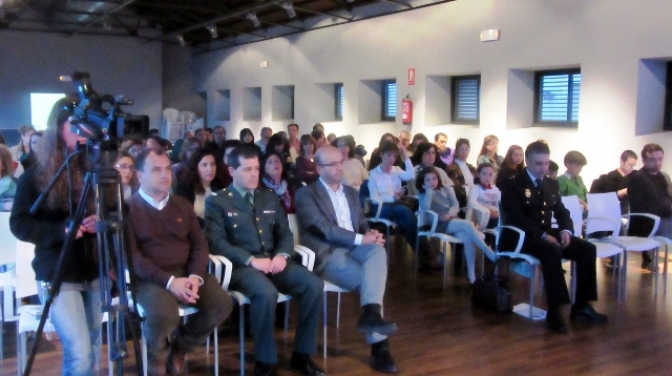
[407, 110]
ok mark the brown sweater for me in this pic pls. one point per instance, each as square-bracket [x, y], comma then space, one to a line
[165, 242]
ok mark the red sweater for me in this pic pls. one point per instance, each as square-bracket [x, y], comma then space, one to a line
[162, 242]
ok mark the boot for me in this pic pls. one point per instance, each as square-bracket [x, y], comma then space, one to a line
[372, 322]
[381, 359]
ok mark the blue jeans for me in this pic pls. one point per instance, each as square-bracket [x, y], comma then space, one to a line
[404, 217]
[77, 317]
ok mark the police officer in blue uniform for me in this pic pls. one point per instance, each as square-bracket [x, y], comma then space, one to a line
[528, 201]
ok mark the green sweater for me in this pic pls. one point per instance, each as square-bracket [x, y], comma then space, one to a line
[572, 186]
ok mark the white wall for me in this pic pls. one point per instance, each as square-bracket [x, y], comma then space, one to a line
[32, 62]
[606, 38]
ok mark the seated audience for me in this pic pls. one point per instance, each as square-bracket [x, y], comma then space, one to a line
[441, 199]
[485, 196]
[385, 187]
[31, 159]
[21, 150]
[445, 153]
[126, 168]
[170, 261]
[331, 137]
[426, 155]
[571, 183]
[188, 148]
[259, 243]
[177, 146]
[318, 136]
[417, 140]
[648, 192]
[489, 154]
[7, 183]
[201, 177]
[274, 178]
[617, 180]
[218, 136]
[318, 127]
[360, 153]
[529, 199]
[293, 140]
[153, 143]
[354, 172]
[264, 135]
[376, 156]
[247, 138]
[461, 172]
[132, 146]
[306, 170]
[347, 252]
[405, 140]
[201, 135]
[513, 163]
[553, 169]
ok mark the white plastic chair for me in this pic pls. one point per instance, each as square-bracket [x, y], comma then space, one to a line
[243, 300]
[605, 206]
[604, 247]
[328, 286]
[427, 222]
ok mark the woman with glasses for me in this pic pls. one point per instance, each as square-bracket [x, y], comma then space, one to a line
[126, 168]
[489, 154]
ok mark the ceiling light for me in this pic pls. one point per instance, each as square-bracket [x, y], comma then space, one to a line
[180, 38]
[253, 17]
[289, 7]
[213, 30]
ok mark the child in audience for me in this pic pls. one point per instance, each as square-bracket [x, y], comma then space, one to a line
[553, 169]
[442, 200]
[571, 182]
[485, 196]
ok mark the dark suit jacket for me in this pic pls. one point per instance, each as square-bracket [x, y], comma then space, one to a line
[237, 231]
[524, 207]
[647, 194]
[318, 225]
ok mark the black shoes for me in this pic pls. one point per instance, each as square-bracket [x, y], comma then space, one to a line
[646, 260]
[265, 369]
[381, 359]
[305, 365]
[555, 322]
[372, 322]
[587, 313]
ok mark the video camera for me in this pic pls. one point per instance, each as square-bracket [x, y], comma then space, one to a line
[99, 123]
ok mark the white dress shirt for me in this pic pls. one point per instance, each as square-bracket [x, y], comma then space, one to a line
[342, 209]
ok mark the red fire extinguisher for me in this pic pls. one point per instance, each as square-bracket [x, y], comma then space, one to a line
[407, 110]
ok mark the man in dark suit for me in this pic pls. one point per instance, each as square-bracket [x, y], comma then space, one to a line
[248, 226]
[528, 199]
[348, 253]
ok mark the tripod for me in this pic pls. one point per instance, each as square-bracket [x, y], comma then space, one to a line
[103, 181]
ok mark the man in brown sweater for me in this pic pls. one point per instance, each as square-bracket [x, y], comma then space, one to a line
[170, 258]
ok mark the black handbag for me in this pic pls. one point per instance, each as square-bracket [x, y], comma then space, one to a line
[492, 293]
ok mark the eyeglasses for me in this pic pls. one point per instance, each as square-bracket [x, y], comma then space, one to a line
[125, 166]
[333, 164]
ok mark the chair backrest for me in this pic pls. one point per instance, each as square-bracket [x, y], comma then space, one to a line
[575, 213]
[364, 193]
[294, 226]
[602, 206]
[8, 242]
[25, 275]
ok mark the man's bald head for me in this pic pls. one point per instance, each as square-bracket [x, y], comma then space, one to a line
[329, 163]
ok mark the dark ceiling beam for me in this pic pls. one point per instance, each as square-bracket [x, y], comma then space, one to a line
[343, 4]
[16, 16]
[102, 16]
[398, 2]
[322, 13]
[233, 14]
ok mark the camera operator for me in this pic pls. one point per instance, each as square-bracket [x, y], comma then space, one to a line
[76, 310]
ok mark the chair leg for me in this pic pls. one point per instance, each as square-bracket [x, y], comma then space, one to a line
[656, 259]
[216, 350]
[286, 317]
[445, 246]
[532, 283]
[417, 254]
[241, 325]
[324, 325]
[338, 311]
[144, 354]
